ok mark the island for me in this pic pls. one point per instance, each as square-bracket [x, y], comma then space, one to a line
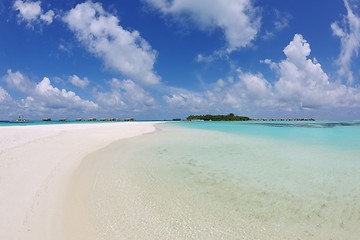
[209, 117]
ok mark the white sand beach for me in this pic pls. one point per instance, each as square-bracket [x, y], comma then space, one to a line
[99, 181]
[36, 165]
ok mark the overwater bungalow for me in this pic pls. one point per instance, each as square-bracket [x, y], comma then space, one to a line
[21, 119]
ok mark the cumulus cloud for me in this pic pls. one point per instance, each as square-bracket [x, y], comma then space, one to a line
[42, 98]
[78, 82]
[124, 95]
[31, 12]
[4, 95]
[243, 92]
[7, 104]
[51, 97]
[16, 80]
[28, 11]
[238, 19]
[124, 51]
[302, 85]
[48, 17]
[302, 80]
[349, 33]
[182, 99]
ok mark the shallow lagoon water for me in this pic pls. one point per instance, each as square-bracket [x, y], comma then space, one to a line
[226, 181]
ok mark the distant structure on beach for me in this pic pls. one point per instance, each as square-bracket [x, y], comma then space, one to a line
[21, 119]
[110, 119]
[284, 119]
[233, 117]
[208, 117]
[82, 119]
[129, 119]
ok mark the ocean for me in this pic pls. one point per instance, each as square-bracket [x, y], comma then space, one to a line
[226, 180]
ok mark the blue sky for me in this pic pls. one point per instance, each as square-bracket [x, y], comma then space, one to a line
[161, 59]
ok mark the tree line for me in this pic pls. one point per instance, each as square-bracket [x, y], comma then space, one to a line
[209, 117]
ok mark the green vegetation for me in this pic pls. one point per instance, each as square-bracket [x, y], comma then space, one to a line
[208, 117]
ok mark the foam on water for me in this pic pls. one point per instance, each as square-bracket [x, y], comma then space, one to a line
[257, 182]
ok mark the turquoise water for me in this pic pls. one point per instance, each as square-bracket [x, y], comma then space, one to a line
[228, 180]
[344, 134]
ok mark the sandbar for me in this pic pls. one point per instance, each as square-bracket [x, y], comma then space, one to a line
[36, 165]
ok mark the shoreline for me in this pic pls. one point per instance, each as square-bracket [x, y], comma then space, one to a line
[174, 182]
[171, 185]
[36, 166]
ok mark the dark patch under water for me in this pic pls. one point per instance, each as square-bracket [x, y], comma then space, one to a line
[311, 125]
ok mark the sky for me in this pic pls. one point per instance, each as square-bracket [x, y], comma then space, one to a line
[164, 59]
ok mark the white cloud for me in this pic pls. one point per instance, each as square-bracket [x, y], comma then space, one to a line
[273, 66]
[53, 98]
[238, 19]
[244, 92]
[124, 51]
[182, 99]
[302, 81]
[132, 92]
[124, 95]
[31, 12]
[4, 95]
[42, 98]
[256, 87]
[16, 80]
[48, 17]
[200, 58]
[302, 86]
[78, 82]
[349, 35]
[216, 55]
[28, 11]
[7, 105]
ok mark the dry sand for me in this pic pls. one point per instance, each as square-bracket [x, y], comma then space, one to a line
[36, 165]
